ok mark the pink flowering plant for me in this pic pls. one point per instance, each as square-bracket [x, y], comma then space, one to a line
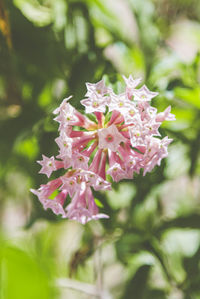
[116, 137]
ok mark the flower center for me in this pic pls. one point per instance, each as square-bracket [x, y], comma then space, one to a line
[95, 104]
[109, 138]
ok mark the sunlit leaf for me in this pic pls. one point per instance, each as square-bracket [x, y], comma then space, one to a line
[191, 96]
[23, 277]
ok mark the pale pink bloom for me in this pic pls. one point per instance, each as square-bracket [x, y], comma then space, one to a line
[116, 172]
[165, 115]
[156, 150]
[101, 184]
[136, 134]
[79, 161]
[48, 165]
[67, 162]
[78, 214]
[70, 184]
[75, 183]
[117, 163]
[131, 166]
[44, 193]
[131, 160]
[65, 145]
[67, 116]
[92, 179]
[122, 133]
[131, 85]
[46, 190]
[83, 215]
[73, 179]
[151, 128]
[83, 207]
[144, 94]
[146, 111]
[110, 138]
[56, 204]
[95, 103]
[118, 102]
[63, 105]
[131, 113]
[141, 128]
[98, 88]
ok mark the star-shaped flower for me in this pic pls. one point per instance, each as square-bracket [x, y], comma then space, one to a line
[48, 165]
[94, 103]
[67, 115]
[118, 102]
[55, 206]
[98, 88]
[144, 94]
[62, 105]
[116, 172]
[65, 145]
[165, 115]
[79, 161]
[131, 83]
[110, 138]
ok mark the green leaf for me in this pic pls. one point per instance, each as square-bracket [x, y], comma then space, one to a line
[22, 276]
[36, 13]
[27, 147]
[98, 203]
[191, 96]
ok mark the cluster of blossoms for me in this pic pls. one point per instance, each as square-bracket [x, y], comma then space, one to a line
[121, 139]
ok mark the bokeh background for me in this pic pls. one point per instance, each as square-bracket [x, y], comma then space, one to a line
[150, 246]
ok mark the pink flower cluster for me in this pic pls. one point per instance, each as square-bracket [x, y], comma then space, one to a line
[121, 139]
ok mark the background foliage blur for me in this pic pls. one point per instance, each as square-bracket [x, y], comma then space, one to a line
[150, 246]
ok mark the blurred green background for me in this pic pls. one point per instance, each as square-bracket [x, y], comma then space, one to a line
[150, 246]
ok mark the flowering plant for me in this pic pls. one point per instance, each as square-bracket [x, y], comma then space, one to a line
[117, 137]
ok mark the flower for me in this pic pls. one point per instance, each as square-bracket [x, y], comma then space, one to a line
[144, 94]
[48, 165]
[131, 84]
[83, 207]
[77, 183]
[110, 138]
[117, 136]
